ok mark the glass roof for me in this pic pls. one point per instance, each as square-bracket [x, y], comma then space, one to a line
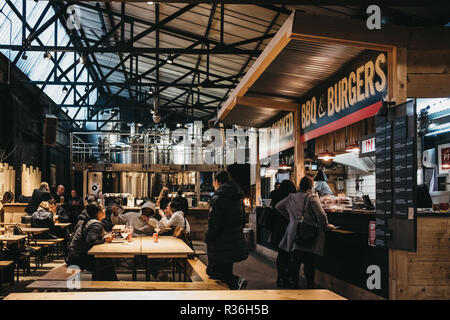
[35, 67]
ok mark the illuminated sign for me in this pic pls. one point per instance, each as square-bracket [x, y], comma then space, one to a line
[353, 94]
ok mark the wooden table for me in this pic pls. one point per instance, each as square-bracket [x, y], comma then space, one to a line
[13, 238]
[30, 231]
[167, 247]
[182, 295]
[125, 250]
[9, 239]
[62, 224]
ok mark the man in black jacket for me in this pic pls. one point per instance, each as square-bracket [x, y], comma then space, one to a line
[225, 236]
[39, 195]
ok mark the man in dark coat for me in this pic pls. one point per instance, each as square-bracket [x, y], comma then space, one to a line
[39, 195]
[75, 207]
[225, 236]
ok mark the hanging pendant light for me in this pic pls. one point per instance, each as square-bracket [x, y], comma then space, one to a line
[64, 89]
[47, 55]
[284, 167]
[354, 147]
[326, 156]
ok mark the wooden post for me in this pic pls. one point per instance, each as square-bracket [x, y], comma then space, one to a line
[299, 152]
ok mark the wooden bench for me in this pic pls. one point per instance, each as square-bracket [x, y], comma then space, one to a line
[61, 273]
[57, 278]
[7, 265]
[312, 294]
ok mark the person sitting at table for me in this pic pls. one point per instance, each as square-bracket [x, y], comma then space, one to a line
[183, 201]
[88, 232]
[173, 216]
[163, 198]
[143, 223]
[75, 207]
[45, 217]
[113, 208]
[59, 195]
[39, 195]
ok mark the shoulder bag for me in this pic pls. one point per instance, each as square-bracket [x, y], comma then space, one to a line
[306, 233]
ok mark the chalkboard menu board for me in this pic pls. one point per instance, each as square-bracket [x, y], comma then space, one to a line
[396, 177]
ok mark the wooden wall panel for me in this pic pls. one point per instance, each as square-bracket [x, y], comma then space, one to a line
[7, 179]
[424, 274]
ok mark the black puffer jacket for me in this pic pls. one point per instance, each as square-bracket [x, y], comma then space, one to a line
[225, 235]
[86, 235]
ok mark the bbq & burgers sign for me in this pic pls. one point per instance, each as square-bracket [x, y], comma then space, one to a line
[353, 94]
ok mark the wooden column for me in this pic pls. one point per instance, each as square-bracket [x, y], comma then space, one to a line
[397, 91]
[299, 152]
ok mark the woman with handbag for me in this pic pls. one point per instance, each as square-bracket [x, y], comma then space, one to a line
[305, 233]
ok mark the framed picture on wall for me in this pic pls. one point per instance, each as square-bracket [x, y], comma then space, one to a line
[444, 158]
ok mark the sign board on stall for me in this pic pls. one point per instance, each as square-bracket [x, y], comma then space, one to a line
[368, 146]
[279, 137]
[353, 94]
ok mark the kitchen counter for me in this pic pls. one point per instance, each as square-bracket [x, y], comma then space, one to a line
[351, 211]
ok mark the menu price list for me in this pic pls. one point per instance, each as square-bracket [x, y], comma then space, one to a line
[383, 175]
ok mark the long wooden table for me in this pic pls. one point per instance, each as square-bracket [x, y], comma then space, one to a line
[167, 247]
[182, 295]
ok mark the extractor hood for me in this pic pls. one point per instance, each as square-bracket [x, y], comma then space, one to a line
[353, 160]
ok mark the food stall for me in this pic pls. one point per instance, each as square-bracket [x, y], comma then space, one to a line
[356, 133]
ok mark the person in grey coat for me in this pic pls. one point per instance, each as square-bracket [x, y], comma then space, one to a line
[307, 205]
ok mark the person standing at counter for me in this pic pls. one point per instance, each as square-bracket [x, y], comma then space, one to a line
[225, 236]
[274, 195]
[279, 224]
[302, 206]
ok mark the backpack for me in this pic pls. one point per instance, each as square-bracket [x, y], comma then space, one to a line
[42, 219]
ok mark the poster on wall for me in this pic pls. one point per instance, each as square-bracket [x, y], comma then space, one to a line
[444, 158]
[355, 93]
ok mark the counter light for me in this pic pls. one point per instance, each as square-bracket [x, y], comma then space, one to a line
[284, 167]
[354, 147]
[326, 156]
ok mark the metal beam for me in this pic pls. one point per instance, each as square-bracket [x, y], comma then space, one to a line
[131, 49]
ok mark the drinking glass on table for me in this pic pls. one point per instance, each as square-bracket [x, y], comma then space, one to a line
[9, 231]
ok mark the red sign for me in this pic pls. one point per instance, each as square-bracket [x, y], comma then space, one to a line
[372, 235]
[368, 146]
[445, 160]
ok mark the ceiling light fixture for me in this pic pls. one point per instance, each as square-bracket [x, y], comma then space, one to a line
[169, 60]
[326, 156]
[284, 167]
[47, 55]
[24, 56]
[150, 2]
[64, 89]
[86, 89]
[82, 60]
